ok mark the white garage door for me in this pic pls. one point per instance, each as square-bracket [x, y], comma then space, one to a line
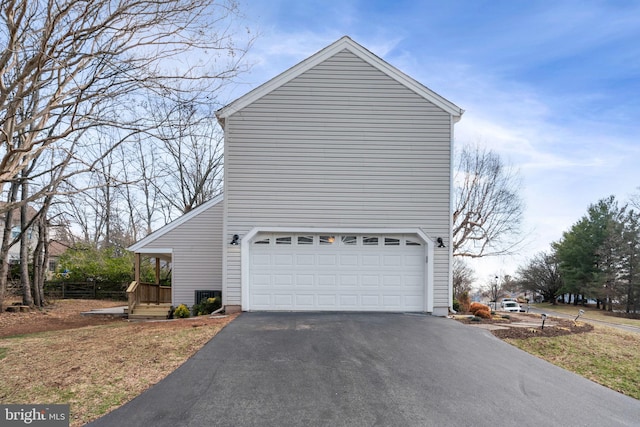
[337, 272]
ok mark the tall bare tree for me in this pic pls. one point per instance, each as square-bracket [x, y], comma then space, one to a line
[74, 73]
[488, 209]
[541, 275]
[463, 277]
[70, 65]
[190, 145]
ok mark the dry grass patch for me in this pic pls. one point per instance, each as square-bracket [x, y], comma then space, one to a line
[98, 368]
[608, 356]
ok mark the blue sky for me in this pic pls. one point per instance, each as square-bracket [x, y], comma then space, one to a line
[552, 86]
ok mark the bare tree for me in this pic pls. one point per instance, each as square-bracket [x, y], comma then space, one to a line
[488, 209]
[74, 74]
[493, 290]
[190, 144]
[71, 65]
[463, 277]
[541, 275]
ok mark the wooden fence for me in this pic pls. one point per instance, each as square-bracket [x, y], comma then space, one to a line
[86, 290]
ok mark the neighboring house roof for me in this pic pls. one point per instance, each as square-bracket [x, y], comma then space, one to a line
[57, 248]
[338, 46]
[172, 225]
[15, 220]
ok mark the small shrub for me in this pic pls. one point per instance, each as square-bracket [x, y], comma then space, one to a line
[485, 314]
[475, 319]
[464, 301]
[206, 306]
[181, 312]
[506, 316]
[456, 305]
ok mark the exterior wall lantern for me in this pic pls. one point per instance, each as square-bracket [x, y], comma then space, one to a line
[235, 241]
[440, 242]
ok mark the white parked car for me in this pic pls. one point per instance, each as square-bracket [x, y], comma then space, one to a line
[504, 300]
[511, 306]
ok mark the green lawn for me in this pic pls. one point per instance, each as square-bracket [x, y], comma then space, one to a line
[606, 355]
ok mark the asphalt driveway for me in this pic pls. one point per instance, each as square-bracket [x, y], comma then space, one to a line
[330, 369]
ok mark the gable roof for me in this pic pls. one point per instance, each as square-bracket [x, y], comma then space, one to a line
[329, 51]
[140, 244]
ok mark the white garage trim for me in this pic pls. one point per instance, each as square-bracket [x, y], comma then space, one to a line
[247, 239]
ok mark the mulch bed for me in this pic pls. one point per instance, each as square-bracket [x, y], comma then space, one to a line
[554, 327]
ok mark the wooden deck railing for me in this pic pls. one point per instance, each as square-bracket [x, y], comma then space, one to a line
[147, 293]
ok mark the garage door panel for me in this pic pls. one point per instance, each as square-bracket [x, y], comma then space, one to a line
[283, 260]
[261, 300]
[260, 259]
[370, 260]
[347, 280]
[305, 301]
[369, 300]
[412, 281]
[327, 301]
[348, 260]
[392, 280]
[259, 280]
[414, 260]
[283, 280]
[348, 301]
[305, 259]
[370, 280]
[326, 280]
[327, 260]
[392, 300]
[304, 280]
[336, 275]
[392, 260]
[283, 300]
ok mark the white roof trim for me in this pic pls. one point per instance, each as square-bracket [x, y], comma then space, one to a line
[342, 44]
[139, 246]
[155, 251]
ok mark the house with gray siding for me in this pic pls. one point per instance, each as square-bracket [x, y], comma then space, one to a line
[337, 192]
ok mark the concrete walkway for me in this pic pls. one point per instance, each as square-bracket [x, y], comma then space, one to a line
[111, 311]
[331, 369]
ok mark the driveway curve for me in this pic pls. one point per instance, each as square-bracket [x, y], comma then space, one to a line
[335, 369]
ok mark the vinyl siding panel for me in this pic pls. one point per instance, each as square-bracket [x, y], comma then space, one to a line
[197, 254]
[341, 145]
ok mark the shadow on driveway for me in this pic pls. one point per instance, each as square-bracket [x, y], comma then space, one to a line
[378, 369]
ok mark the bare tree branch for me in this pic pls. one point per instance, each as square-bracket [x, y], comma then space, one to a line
[488, 209]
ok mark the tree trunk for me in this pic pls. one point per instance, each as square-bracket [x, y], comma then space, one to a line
[6, 244]
[27, 299]
[41, 262]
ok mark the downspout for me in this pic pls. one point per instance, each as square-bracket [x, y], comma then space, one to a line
[453, 120]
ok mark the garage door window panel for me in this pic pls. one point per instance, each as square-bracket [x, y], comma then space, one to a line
[283, 240]
[349, 240]
[327, 240]
[370, 241]
[391, 241]
[305, 240]
[412, 242]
